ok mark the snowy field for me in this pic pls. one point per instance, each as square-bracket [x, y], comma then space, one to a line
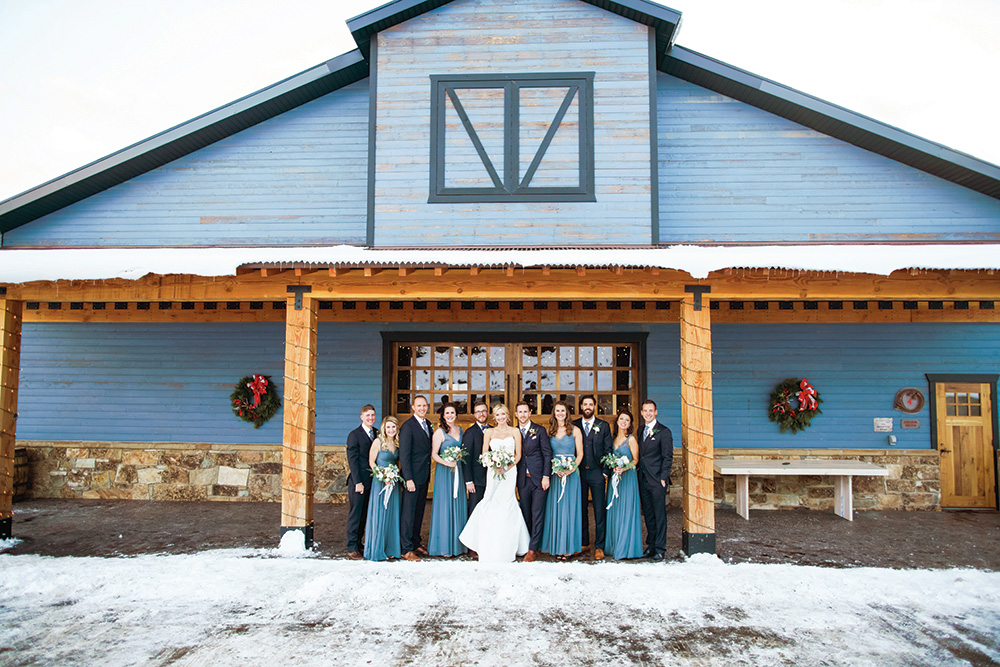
[268, 607]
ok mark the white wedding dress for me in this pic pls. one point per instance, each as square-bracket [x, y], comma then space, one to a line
[496, 529]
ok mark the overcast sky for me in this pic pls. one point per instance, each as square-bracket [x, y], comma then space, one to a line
[80, 79]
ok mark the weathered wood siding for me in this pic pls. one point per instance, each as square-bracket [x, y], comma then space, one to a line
[729, 171]
[490, 36]
[298, 178]
[171, 382]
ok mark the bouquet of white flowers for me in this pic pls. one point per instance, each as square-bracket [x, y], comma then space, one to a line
[454, 455]
[498, 460]
[613, 462]
[390, 477]
[566, 464]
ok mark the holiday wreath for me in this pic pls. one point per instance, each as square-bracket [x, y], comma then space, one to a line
[255, 399]
[781, 404]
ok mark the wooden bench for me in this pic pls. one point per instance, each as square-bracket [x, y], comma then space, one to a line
[841, 471]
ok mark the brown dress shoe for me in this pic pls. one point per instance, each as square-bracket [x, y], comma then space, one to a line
[355, 555]
[599, 554]
[529, 557]
[409, 555]
[420, 551]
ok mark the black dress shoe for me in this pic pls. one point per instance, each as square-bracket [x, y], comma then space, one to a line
[648, 553]
[656, 558]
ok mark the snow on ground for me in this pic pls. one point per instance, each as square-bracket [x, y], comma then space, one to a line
[253, 607]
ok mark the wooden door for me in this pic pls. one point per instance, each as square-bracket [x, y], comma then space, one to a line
[965, 443]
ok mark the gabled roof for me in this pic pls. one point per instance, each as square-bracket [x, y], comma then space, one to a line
[353, 66]
[664, 20]
[182, 139]
[832, 120]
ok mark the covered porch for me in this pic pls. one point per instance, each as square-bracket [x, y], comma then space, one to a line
[409, 293]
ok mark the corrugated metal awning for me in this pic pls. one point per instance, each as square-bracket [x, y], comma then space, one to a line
[26, 265]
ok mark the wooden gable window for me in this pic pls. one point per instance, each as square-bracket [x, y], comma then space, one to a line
[512, 137]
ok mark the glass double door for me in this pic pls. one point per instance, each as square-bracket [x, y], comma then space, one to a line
[463, 373]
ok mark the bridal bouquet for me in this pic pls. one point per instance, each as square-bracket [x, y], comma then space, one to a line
[389, 476]
[566, 464]
[622, 462]
[454, 455]
[498, 460]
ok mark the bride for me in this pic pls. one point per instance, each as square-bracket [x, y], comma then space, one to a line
[496, 529]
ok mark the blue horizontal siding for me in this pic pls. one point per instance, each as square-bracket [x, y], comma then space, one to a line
[729, 171]
[298, 178]
[171, 382]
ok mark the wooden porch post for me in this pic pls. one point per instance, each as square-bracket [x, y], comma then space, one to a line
[698, 534]
[299, 409]
[10, 364]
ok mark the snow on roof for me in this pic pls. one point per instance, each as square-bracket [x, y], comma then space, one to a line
[25, 265]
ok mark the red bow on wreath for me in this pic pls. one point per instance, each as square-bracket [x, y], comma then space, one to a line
[259, 388]
[806, 397]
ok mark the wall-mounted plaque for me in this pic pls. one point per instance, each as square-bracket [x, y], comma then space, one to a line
[909, 400]
[909, 423]
[883, 424]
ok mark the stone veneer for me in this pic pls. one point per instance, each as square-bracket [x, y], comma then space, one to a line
[913, 483]
[182, 471]
[173, 471]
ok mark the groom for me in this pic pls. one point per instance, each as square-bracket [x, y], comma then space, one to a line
[472, 443]
[533, 472]
[597, 441]
[415, 467]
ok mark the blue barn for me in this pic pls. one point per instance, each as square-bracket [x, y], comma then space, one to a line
[535, 200]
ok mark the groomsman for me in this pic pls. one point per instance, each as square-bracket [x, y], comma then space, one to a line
[359, 480]
[533, 472]
[656, 457]
[415, 467]
[472, 443]
[597, 441]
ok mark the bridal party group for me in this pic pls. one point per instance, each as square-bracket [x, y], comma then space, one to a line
[511, 488]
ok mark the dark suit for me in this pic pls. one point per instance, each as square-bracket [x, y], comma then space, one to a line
[593, 482]
[656, 457]
[535, 463]
[358, 447]
[472, 469]
[415, 466]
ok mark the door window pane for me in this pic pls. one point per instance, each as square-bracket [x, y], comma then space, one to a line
[404, 355]
[604, 381]
[529, 356]
[548, 356]
[497, 380]
[604, 358]
[460, 356]
[423, 380]
[478, 380]
[547, 380]
[496, 356]
[529, 381]
[422, 355]
[478, 356]
[441, 356]
[586, 380]
[567, 356]
[567, 380]
[586, 356]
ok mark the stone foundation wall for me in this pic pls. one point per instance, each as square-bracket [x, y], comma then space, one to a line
[182, 471]
[173, 471]
[913, 483]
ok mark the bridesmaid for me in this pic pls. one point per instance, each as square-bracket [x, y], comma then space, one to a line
[449, 510]
[624, 536]
[563, 535]
[382, 526]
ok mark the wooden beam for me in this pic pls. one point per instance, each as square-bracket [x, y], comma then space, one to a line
[405, 271]
[697, 437]
[525, 285]
[371, 271]
[440, 270]
[474, 270]
[337, 272]
[299, 410]
[10, 364]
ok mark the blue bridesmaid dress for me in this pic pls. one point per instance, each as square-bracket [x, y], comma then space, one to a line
[563, 533]
[448, 512]
[624, 535]
[382, 525]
